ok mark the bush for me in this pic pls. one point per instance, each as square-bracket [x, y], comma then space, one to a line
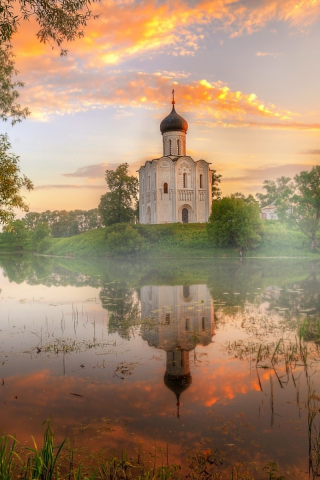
[124, 239]
[43, 245]
[235, 223]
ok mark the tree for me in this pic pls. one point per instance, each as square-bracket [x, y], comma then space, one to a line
[298, 202]
[11, 182]
[16, 234]
[9, 108]
[281, 188]
[215, 185]
[235, 223]
[41, 231]
[58, 21]
[118, 205]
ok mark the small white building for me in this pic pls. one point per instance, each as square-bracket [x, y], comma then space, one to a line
[269, 212]
[174, 187]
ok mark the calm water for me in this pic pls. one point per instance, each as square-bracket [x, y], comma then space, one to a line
[185, 353]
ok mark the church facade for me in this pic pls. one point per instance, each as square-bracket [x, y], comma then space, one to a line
[174, 188]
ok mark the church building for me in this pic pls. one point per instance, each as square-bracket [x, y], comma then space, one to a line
[174, 188]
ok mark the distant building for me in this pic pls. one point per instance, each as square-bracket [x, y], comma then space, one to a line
[269, 212]
[174, 187]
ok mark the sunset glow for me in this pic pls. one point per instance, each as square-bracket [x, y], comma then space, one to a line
[245, 75]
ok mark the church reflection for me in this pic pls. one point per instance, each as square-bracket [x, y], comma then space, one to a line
[181, 317]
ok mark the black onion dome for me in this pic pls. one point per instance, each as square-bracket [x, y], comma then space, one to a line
[172, 122]
[177, 383]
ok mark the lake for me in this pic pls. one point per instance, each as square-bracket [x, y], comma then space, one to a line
[166, 356]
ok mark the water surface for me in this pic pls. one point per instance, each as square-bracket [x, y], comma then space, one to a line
[204, 354]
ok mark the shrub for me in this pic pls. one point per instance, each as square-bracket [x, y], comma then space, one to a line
[124, 239]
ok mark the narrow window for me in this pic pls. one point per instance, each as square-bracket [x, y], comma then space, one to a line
[187, 324]
[178, 147]
[203, 324]
[165, 188]
[186, 291]
[155, 180]
[143, 184]
[168, 319]
[149, 183]
[170, 147]
[184, 180]
[173, 360]
[201, 180]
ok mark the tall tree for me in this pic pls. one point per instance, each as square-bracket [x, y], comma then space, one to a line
[281, 188]
[215, 185]
[58, 21]
[235, 223]
[298, 202]
[118, 205]
[11, 183]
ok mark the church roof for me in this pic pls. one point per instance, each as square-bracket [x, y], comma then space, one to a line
[173, 122]
[177, 383]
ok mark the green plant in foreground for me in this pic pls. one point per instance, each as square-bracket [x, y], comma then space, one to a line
[7, 457]
[41, 464]
[272, 470]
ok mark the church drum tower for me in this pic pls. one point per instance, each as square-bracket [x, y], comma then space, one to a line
[174, 188]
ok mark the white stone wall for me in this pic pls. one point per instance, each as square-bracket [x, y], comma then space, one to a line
[182, 314]
[170, 143]
[182, 177]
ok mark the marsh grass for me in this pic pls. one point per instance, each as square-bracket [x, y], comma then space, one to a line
[8, 457]
[41, 463]
[65, 462]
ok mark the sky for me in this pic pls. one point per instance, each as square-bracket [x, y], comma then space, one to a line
[246, 76]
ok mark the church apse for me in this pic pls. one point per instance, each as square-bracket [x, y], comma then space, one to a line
[180, 318]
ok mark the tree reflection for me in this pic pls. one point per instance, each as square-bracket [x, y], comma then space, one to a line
[123, 307]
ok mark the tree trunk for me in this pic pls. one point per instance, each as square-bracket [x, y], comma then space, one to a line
[313, 245]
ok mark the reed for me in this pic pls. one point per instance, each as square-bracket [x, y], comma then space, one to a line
[8, 457]
[42, 464]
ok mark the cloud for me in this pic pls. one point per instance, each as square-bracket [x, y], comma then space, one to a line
[74, 91]
[98, 170]
[311, 152]
[268, 54]
[267, 172]
[62, 186]
[130, 29]
[263, 125]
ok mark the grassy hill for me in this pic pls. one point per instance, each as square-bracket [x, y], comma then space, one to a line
[168, 240]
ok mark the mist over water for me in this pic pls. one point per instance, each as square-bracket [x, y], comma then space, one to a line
[197, 354]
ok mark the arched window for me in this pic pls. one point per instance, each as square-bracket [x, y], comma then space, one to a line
[184, 180]
[203, 324]
[178, 147]
[187, 324]
[165, 188]
[149, 183]
[186, 291]
[201, 180]
[170, 147]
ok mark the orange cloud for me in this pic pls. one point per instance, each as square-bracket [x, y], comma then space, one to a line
[207, 100]
[129, 29]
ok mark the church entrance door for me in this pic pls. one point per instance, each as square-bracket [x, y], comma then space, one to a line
[185, 215]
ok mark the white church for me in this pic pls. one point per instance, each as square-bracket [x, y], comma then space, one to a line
[174, 188]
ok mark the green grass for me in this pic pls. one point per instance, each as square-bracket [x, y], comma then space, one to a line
[173, 240]
[64, 461]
